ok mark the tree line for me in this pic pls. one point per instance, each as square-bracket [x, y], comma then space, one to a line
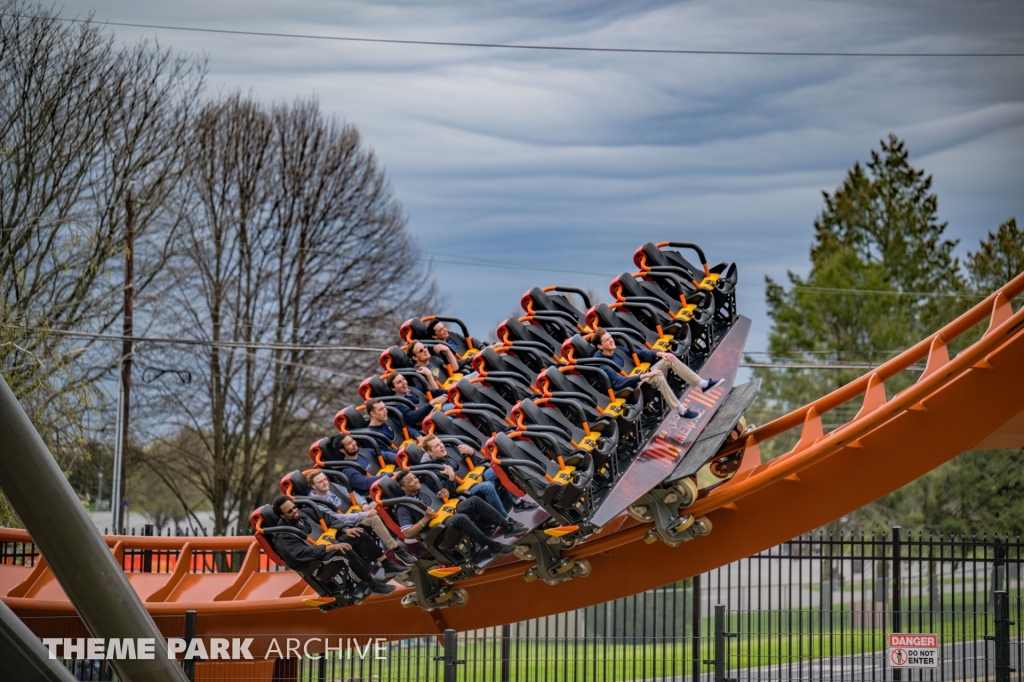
[263, 232]
[883, 276]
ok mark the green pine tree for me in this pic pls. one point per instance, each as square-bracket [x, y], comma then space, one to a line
[882, 277]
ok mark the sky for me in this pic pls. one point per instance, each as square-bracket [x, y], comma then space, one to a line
[565, 162]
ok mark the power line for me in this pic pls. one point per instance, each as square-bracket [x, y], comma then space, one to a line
[511, 46]
[240, 345]
[485, 263]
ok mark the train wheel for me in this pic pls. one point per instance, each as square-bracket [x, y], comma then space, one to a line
[687, 488]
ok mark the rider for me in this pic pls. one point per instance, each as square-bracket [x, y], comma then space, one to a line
[437, 364]
[320, 486]
[439, 332]
[471, 511]
[377, 411]
[414, 415]
[354, 551]
[663, 362]
[351, 452]
[494, 494]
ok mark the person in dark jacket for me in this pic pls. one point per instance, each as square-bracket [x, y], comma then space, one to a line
[661, 363]
[351, 452]
[421, 404]
[350, 553]
[377, 413]
[471, 510]
[439, 332]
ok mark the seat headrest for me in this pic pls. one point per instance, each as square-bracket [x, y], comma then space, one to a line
[531, 410]
[395, 358]
[625, 285]
[413, 453]
[374, 387]
[413, 330]
[649, 255]
[512, 330]
[467, 392]
[489, 359]
[293, 484]
[349, 418]
[389, 487]
[506, 446]
[263, 517]
[535, 300]
[578, 347]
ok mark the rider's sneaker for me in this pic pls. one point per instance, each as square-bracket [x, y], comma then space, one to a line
[687, 413]
[378, 587]
[500, 548]
[712, 383]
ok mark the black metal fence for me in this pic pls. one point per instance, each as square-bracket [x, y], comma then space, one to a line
[819, 607]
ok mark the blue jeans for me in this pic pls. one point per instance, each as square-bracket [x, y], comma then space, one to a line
[507, 500]
[486, 491]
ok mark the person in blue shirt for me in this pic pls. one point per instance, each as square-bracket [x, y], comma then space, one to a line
[377, 413]
[662, 362]
[413, 416]
[439, 332]
[350, 450]
[435, 452]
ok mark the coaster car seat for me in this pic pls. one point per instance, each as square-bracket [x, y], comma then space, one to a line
[673, 336]
[376, 387]
[294, 485]
[551, 300]
[589, 385]
[523, 357]
[513, 331]
[719, 279]
[579, 351]
[338, 591]
[352, 421]
[489, 362]
[326, 456]
[561, 487]
[697, 309]
[552, 415]
[453, 429]
[477, 394]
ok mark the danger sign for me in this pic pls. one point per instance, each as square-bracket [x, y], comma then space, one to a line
[907, 650]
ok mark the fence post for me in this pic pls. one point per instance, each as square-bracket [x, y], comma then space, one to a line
[506, 652]
[719, 652]
[189, 666]
[897, 605]
[695, 616]
[451, 655]
[1002, 638]
[147, 555]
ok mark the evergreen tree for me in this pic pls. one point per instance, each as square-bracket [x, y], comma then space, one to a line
[998, 259]
[882, 277]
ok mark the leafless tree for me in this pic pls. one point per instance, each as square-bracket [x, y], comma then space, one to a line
[82, 122]
[290, 238]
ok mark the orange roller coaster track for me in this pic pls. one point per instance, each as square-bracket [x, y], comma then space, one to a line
[974, 400]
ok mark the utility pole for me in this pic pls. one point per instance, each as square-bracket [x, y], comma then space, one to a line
[124, 396]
